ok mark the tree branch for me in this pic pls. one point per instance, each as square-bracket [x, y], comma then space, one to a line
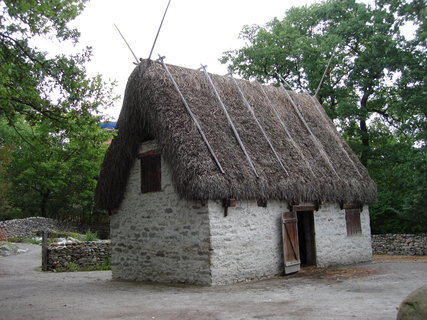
[23, 49]
[17, 131]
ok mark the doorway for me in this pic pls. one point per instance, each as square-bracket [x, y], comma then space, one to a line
[306, 238]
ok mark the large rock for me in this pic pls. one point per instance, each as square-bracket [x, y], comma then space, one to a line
[7, 249]
[414, 307]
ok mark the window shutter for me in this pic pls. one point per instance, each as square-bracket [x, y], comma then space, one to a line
[151, 180]
[352, 218]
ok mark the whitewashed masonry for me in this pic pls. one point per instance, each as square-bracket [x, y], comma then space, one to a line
[161, 237]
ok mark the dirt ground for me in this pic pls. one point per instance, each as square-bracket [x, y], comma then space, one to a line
[365, 291]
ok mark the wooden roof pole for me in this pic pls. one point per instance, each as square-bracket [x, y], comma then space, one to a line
[251, 110]
[317, 107]
[297, 148]
[230, 121]
[193, 117]
[313, 137]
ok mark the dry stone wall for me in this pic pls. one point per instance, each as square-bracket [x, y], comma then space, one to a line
[84, 254]
[18, 228]
[400, 244]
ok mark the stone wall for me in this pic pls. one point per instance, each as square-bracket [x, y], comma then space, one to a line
[157, 236]
[18, 228]
[89, 253]
[333, 245]
[400, 244]
[247, 243]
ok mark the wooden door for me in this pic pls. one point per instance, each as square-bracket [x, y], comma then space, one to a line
[290, 242]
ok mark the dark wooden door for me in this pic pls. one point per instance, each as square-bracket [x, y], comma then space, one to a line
[290, 242]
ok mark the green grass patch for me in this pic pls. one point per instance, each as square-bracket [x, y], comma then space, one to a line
[24, 240]
[7, 244]
[89, 236]
[74, 267]
[54, 236]
[64, 234]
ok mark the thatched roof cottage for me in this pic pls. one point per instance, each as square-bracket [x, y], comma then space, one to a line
[215, 180]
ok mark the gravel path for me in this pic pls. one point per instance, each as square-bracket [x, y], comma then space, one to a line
[366, 291]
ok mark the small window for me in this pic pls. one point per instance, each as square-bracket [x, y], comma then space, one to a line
[151, 173]
[262, 203]
[352, 218]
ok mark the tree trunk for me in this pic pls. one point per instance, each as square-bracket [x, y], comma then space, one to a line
[364, 157]
[364, 134]
[45, 197]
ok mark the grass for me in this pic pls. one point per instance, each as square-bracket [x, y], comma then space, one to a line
[55, 235]
[89, 236]
[8, 244]
[64, 234]
[74, 267]
[25, 240]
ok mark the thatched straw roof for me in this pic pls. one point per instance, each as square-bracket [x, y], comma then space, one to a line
[319, 165]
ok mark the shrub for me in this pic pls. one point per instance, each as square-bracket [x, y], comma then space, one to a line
[63, 234]
[89, 236]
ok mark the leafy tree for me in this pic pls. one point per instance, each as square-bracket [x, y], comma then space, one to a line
[35, 84]
[5, 160]
[412, 83]
[53, 174]
[400, 171]
[52, 147]
[367, 75]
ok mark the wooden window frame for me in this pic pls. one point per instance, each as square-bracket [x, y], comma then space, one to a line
[353, 221]
[153, 173]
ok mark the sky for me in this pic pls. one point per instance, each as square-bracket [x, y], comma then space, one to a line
[194, 32]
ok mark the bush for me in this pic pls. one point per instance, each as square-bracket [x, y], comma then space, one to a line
[89, 236]
[63, 234]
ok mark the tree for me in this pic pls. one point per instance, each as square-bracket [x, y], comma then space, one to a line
[35, 84]
[5, 160]
[367, 75]
[52, 147]
[54, 174]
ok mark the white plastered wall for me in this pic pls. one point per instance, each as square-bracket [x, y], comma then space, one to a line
[333, 245]
[158, 236]
[247, 243]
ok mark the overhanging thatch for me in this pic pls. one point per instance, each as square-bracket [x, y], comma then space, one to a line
[152, 108]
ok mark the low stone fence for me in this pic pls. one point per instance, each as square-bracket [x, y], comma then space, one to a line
[400, 244]
[22, 228]
[84, 254]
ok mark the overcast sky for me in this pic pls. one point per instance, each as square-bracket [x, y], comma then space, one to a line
[194, 32]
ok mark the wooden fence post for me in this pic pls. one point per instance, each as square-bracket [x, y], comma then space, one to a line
[44, 250]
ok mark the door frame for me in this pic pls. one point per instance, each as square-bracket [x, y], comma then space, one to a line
[307, 237]
[291, 243]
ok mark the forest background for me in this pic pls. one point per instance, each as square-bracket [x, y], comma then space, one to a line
[365, 69]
